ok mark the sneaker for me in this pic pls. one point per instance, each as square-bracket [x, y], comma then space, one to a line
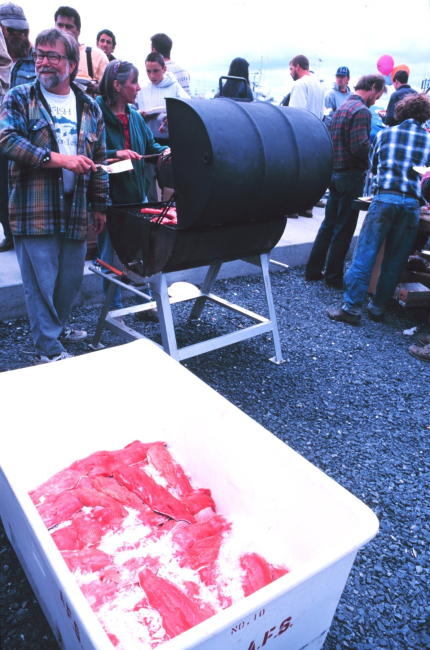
[420, 353]
[6, 244]
[148, 315]
[377, 318]
[424, 340]
[72, 336]
[344, 316]
[40, 358]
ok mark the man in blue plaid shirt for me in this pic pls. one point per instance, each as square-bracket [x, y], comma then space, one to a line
[54, 137]
[393, 216]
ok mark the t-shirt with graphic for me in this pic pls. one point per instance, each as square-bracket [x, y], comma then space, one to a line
[65, 118]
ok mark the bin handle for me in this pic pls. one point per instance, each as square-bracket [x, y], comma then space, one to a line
[221, 87]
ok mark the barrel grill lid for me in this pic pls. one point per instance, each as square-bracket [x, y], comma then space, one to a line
[237, 162]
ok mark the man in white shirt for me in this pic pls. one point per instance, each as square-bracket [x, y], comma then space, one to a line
[92, 61]
[163, 44]
[307, 92]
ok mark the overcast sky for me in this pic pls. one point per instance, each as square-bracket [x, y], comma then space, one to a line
[208, 35]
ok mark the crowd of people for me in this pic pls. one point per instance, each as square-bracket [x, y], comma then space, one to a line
[67, 108]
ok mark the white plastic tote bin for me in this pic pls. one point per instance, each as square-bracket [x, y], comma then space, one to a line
[250, 472]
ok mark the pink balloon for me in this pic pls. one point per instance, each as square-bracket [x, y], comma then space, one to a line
[385, 64]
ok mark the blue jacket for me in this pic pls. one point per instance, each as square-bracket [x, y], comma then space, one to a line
[23, 71]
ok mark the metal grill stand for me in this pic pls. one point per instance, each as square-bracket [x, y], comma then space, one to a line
[165, 297]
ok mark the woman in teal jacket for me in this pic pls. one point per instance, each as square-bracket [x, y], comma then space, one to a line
[127, 137]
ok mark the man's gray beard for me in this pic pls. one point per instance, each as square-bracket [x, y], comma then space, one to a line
[53, 80]
[18, 46]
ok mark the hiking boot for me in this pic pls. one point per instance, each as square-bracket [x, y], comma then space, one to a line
[420, 353]
[40, 358]
[315, 278]
[424, 340]
[72, 336]
[377, 318]
[344, 316]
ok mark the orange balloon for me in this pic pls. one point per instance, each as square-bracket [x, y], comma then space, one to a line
[401, 66]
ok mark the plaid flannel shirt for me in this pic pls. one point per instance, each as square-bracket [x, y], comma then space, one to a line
[395, 152]
[350, 133]
[36, 195]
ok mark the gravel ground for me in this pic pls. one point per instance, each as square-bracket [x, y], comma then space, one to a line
[350, 399]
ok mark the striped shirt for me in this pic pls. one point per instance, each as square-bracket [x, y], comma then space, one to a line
[36, 195]
[350, 133]
[395, 152]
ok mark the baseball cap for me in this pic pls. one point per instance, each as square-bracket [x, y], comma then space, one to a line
[13, 16]
[343, 71]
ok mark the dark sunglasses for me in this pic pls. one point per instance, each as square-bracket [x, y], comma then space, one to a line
[53, 57]
[12, 30]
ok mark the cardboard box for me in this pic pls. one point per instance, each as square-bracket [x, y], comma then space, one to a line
[251, 473]
[412, 294]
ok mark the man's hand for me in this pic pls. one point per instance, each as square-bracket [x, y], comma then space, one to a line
[127, 154]
[93, 89]
[99, 222]
[76, 164]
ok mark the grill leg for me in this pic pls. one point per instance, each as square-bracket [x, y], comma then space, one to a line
[208, 283]
[95, 344]
[278, 358]
[165, 317]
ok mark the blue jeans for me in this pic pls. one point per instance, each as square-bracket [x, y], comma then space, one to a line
[336, 231]
[392, 218]
[4, 198]
[107, 254]
[52, 268]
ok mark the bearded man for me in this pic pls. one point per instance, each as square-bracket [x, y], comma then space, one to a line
[15, 30]
[54, 137]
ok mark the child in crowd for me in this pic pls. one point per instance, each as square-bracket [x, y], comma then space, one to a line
[151, 100]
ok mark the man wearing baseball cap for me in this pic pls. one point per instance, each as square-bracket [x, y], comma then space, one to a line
[337, 95]
[15, 29]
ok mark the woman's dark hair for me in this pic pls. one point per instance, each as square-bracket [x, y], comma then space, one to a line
[413, 107]
[156, 57]
[232, 88]
[119, 71]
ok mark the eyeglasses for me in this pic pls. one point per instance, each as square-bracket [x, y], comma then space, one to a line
[53, 57]
[12, 30]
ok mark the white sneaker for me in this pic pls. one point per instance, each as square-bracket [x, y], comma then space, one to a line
[72, 336]
[40, 358]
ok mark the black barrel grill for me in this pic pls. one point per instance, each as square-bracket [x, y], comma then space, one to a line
[238, 169]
